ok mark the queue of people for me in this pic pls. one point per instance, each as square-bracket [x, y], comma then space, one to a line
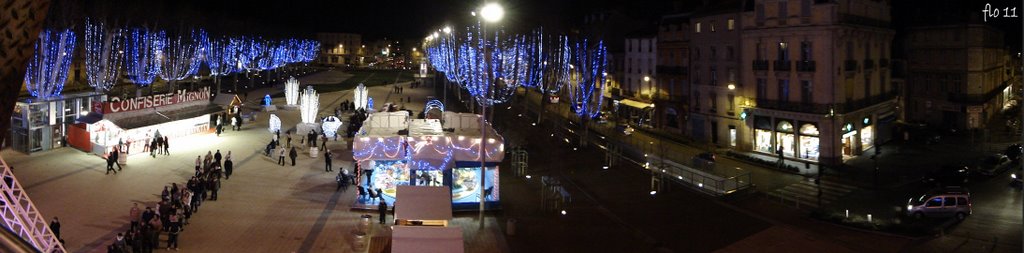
[178, 202]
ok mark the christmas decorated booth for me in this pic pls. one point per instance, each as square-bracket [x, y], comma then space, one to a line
[392, 150]
[133, 123]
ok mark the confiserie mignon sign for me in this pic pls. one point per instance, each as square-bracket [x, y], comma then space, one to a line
[117, 104]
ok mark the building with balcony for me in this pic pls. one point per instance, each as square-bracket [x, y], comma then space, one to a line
[714, 115]
[639, 85]
[817, 87]
[342, 49]
[957, 76]
[673, 66]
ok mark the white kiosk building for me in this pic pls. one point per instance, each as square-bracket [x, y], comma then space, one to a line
[391, 150]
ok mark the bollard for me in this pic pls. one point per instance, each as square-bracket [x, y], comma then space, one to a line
[847, 213]
[510, 227]
[869, 218]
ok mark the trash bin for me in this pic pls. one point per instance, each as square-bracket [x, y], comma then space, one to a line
[359, 241]
[314, 152]
[510, 227]
[364, 222]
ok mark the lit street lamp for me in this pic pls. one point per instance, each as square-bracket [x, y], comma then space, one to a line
[491, 12]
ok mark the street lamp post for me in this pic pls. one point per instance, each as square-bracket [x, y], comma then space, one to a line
[490, 12]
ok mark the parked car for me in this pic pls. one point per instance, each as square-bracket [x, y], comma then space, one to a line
[1014, 152]
[993, 164]
[949, 175]
[624, 129]
[945, 202]
[704, 160]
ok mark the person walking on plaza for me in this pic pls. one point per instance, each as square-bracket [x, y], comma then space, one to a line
[116, 155]
[288, 137]
[228, 166]
[327, 160]
[55, 227]
[382, 210]
[172, 237]
[133, 214]
[110, 164]
[220, 127]
[273, 138]
[323, 141]
[167, 149]
[280, 157]
[293, 154]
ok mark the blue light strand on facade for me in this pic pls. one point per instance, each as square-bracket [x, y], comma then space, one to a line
[48, 70]
[104, 54]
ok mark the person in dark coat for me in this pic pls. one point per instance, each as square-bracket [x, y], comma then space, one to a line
[228, 168]
[214, 187]
[327, 159]
[382, 210]
[293, 154]
[117, 154]
[110, 164]
[153, 147]
[217, 157]
[167, 149]
[55, 227]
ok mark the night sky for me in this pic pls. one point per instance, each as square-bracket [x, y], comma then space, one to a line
[398, 19]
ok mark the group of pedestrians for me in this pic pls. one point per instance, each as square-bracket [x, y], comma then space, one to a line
[346, 106]
[157, 146]
[176, 206]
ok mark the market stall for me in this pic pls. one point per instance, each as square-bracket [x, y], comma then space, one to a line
[392, 150]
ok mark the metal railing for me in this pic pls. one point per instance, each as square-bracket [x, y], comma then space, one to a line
[702, 181]
[21, 216]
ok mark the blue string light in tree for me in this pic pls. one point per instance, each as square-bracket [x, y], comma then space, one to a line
[585, 75]
[180, 57]
[142, 62]
[104, 52]
[48, 70]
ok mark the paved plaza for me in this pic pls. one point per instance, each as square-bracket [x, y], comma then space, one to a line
[264, 207]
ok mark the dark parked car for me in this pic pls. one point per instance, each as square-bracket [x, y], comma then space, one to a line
[950, 175]
[704, 160]
[1014, 152]
[993, 164]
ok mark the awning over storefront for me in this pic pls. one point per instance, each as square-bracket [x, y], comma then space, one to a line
[159, 117]
[636, 104]
[90, 118]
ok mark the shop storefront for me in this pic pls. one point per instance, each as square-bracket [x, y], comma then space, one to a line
[40, 125]
[867, 134]
[809, 141]
[849, 140]
[763, 135]
[785, 138]
[133, 123]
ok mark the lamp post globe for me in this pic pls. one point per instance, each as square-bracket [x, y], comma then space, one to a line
[492, 12]
[447, 29]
